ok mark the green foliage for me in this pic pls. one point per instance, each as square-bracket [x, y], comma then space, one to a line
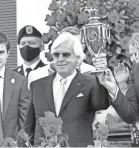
[121, 15]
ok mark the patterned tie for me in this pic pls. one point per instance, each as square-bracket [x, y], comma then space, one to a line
[28, 70]
[1, 126]
[60, 95]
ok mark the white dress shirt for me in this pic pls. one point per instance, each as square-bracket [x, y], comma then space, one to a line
[2, 72]
[31, 66]
[56, 85]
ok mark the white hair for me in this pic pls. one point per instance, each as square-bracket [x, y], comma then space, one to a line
[67, 40]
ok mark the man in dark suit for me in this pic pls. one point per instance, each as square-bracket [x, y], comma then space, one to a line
[14, 96]
[67, 93]
[30, 45]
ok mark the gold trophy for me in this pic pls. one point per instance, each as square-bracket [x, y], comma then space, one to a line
[95, 35]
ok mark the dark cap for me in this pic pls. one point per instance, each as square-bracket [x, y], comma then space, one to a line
[28, 31]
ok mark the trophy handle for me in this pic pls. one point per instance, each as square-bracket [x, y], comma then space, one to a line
[108, 34]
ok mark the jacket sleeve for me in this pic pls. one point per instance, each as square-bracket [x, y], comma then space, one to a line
[127, 106]
[99, 96]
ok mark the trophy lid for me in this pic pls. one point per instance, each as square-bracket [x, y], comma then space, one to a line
[93, 17]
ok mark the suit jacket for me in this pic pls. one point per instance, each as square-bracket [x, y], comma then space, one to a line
[76, 112]
[20, 70]
[127, 106]
[15, 100]
[136, 79]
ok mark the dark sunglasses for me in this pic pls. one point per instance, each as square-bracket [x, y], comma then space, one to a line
[65, 54]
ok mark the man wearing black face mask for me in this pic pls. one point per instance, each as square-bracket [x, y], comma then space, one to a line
[30, 45]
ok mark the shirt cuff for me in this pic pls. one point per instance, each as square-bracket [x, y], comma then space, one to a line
[113, 97]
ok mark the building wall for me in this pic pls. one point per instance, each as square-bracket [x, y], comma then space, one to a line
[8, 27]
[32, 12]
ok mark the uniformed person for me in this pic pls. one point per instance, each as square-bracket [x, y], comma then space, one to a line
[30, 46]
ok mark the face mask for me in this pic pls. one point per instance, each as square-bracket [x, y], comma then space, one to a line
[29, 53]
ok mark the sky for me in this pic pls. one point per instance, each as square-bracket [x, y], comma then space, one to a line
[32, 12]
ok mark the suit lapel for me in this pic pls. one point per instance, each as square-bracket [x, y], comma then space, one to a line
[48, 91]
[75, 85]
[8, 89]
[20, 70]
[40, 64]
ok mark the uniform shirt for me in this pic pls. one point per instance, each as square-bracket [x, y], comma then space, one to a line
[39, 73]
[56, 84]
[2, 71]
[31, 66]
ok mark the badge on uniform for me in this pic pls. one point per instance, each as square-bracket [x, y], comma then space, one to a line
[19, 69]
[29, 29]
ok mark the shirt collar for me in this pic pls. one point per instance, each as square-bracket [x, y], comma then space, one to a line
[69, 78]
[2, 72]
[31, 66]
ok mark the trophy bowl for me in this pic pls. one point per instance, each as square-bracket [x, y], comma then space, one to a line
[95, 36]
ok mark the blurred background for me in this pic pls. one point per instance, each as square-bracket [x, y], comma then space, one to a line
[14, 14]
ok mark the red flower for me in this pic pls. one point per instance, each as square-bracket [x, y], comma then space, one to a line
[124, 42]
[52, 32]
[135, 26]
[53, 6]
[50, 20]
[119, 27]
[113, 16]
[83, 18]
[61, 16]
[71, 20]
[102, 132]
[136, 11]
[45, 38]
[110, 120]
[133, 3]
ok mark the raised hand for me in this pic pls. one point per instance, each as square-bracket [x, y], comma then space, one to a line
[121, 73]
[107, 79]
[100, 62]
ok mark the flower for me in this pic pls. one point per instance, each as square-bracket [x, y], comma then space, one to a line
[136, 12]
[83, 18]
[135, 26]
[124, 42]
[119, 27]
[22, 139]
[53, 130]
[113, 16]
[133, 3]
[53, 136]
[51, 20]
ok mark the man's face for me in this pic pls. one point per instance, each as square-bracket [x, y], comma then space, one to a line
[134, 52]
[3, 55]
[65, 61]
[33, 42]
